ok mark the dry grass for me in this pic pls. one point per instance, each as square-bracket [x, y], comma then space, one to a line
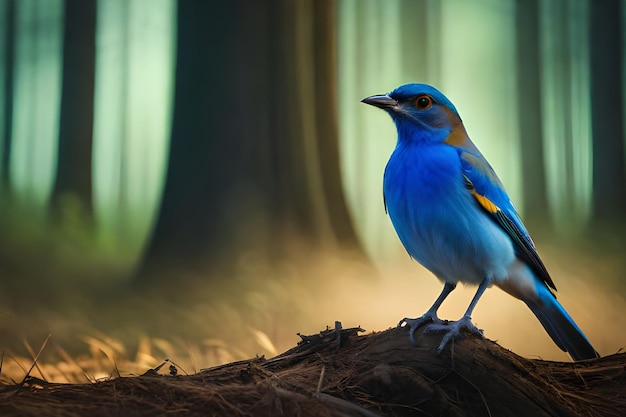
[107, 358]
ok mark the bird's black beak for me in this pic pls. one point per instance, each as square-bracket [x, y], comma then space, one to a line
[381, 101]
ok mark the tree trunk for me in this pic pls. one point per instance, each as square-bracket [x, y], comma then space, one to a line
[124, 231]
[609, 170]
[253, 155]
[73, 173]
[530, 111]
[326, 112]
[380, 374]
[9, 80]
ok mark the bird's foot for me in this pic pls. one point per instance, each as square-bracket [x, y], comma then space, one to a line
[413, 324]
[454, 330]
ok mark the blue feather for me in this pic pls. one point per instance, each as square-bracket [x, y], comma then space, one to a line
[453, 215]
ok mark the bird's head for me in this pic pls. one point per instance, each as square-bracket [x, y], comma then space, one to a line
[421, 113]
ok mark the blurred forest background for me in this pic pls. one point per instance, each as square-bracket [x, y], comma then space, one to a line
[199, 180]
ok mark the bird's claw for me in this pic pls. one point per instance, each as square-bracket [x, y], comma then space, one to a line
[453, 330]
[415, 323]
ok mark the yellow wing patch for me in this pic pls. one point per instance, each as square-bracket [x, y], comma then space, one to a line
[485, 202]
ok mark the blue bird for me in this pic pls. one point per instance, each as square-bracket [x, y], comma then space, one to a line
[453, 215]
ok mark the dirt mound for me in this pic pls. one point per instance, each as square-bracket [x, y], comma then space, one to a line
[339, 373]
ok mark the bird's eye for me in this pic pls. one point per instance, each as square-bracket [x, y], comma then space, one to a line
[423, 102]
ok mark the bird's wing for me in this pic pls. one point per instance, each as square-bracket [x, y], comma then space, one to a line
[486, 188]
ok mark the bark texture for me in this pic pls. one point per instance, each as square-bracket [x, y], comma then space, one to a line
[379, 374]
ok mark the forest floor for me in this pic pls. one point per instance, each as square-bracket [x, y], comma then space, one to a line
[341, 373]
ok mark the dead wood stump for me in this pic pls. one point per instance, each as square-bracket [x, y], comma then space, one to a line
[379, 374]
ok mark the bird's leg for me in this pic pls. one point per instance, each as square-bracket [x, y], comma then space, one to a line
[465, 323]
[430, 315]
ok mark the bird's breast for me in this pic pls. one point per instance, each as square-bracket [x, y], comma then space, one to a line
[437, 219]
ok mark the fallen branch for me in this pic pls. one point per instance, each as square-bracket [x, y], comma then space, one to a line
[338, 373]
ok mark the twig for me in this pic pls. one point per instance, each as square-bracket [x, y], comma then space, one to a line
[346, 405]
[319, 383]
[36, 358]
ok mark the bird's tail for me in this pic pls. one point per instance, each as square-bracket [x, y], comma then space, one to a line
[560, 326]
